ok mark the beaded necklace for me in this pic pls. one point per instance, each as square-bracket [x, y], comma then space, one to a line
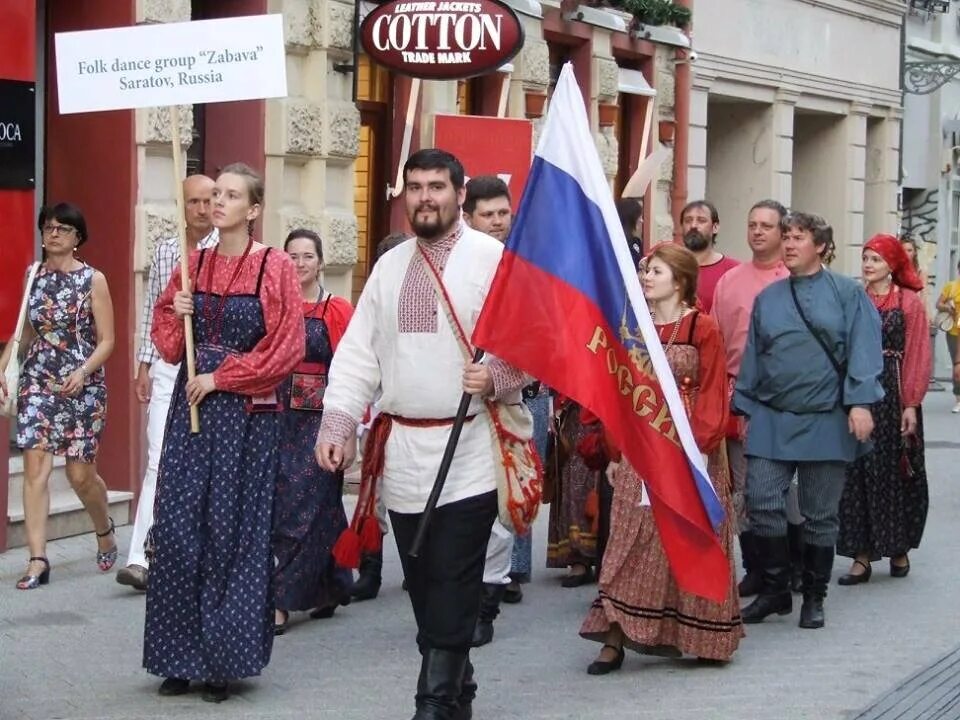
[676, 326]
[884, 302]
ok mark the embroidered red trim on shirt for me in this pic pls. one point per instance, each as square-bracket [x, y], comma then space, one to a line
[417, 306]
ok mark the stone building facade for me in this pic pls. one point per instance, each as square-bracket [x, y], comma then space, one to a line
[312, 138]
[931, 150]
[807, 111]
[328, 151]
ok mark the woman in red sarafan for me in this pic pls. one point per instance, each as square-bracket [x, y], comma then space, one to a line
[885, 500]
[639, 605]
[209, 614]
[308, 514]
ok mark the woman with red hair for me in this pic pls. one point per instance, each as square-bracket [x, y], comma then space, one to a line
[639, 606]
[884, 504]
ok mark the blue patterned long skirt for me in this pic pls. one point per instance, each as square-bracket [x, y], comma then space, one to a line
[521, 561]
[210, 602]
[308, 514]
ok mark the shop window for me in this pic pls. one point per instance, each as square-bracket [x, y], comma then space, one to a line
[480, 95]
[559, 55]
[466, 96]
[373, 82]
[373, 98]
[634, 101]
[628, 129]
[568, 42]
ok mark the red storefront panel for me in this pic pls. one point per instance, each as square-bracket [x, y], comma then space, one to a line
[489, 146]
[90, 160]
[18, 61]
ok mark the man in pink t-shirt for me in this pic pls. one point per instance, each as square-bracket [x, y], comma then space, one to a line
[732, 304]
[700, 223]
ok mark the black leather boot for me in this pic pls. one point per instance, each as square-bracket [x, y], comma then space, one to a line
[774, 597]
[817, 566]
[468, 691]
[752, 578]
[489, 609]
[369, 579]
[795, 540]
[440, 684]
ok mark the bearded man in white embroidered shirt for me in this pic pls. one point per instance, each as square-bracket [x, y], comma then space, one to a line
[401, 342]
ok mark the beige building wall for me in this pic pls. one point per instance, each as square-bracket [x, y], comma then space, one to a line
[807, 113]
[740, 147]
[312, 136]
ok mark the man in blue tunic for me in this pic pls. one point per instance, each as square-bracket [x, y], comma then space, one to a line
[810, 373]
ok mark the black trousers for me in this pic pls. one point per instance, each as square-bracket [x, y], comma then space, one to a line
[446, 580]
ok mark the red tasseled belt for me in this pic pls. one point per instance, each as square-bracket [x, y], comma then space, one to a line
[363, 535]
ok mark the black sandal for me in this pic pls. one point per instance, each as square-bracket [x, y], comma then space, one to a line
[31, 582]
[215, 692]
[174, 686]
[899, 571]
[602, 667]
[106, 560]
[856, 579]
[281, 628]
[573, 580]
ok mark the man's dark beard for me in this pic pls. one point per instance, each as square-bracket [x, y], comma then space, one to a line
[695, 241]
[433, 230]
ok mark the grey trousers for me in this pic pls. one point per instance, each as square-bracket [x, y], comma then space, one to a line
[819, 488]
[738, 469]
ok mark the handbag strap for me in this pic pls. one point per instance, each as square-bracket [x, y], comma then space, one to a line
[444, 299]
[837, 365]
[22, 317]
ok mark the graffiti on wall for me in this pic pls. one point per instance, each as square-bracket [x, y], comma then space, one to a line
[920, 215]
[920, 221]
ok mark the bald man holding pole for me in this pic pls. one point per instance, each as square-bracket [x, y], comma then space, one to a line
[155, 377]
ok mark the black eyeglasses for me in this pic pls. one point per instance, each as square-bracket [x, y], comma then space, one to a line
[52, 230]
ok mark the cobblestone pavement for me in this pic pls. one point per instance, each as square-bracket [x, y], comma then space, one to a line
[72, 649]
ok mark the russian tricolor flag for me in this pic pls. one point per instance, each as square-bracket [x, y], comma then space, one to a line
[566, 306]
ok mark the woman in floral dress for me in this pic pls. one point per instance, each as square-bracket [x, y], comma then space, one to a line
[210, 598]
[883, 509]
[62, 396]
[639, 605]
[308, 514]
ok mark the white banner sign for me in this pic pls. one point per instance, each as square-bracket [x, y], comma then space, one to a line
[203, 61]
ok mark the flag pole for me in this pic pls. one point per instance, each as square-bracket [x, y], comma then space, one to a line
[445, 463]
[184, 260]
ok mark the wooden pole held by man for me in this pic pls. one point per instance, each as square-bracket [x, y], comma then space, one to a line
[178, 176]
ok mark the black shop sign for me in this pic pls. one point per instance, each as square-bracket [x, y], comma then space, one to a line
[18, 135]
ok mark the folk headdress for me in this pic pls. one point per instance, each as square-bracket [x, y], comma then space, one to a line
[891, 250]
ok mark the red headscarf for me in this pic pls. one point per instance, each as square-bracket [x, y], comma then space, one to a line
[891, 250]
